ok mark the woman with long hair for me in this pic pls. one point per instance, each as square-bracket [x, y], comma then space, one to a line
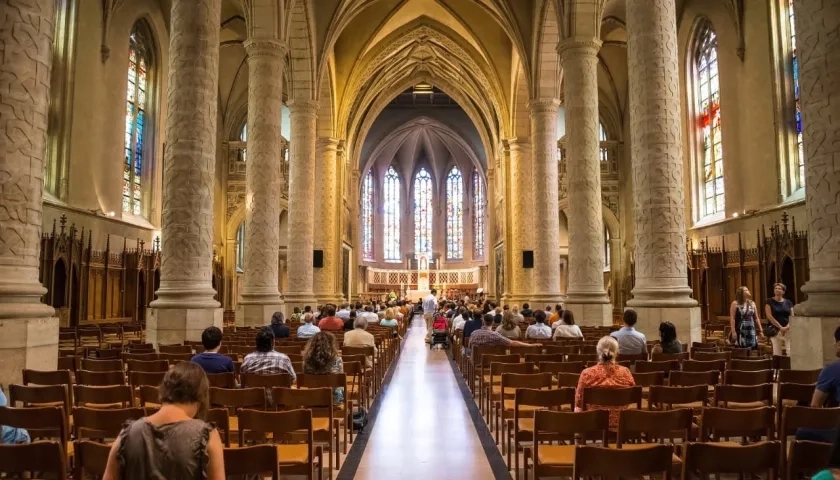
[744, 322]
[567, 327]
[175, 443]
[606, 374]
[320, 357]
[508, 328]
[668, 342]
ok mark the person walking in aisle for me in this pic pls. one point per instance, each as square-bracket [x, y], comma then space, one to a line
[430, 305]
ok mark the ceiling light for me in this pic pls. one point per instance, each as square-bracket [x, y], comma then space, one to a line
[423, 88]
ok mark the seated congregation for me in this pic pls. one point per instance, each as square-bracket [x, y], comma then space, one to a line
[282, 399]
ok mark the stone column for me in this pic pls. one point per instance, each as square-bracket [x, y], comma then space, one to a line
[661, 292]
[585, 296]
[547, 241]
[327, 213]
[302, 204]
[28, 329]
[522, 225]
[260, 297]
[489, 230]
[185, 305]
[812, 330]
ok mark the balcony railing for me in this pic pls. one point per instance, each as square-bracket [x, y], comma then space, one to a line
[238, 159]
[609, 157]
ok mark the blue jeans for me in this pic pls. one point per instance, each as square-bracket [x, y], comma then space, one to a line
[824, 435]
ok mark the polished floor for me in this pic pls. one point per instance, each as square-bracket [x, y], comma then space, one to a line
[423, 429]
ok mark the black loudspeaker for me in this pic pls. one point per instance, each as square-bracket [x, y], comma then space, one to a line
[527, 259]
[318, 258]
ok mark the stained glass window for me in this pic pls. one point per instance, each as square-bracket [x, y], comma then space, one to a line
[240, 247]
[243, 137]
[454, 215]
[800, 149]
[708, 108]
[136, 119]
[607, 248]
[391, 193]
[480, 209]
[423, 213]
[602, 136]
[367, 216]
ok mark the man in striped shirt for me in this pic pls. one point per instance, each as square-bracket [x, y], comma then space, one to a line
[265, 360]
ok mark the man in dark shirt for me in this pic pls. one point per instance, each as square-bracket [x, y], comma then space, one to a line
[473, 324]
[278, 326]
[526, 310]
[211, 360]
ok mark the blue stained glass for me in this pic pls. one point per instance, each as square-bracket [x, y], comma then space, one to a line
[454, 215]
[423, 212]
[137, 86]
[800, 149]
[708, 108]
[391, 193]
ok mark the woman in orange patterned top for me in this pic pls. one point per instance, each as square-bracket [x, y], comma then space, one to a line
[606, 374]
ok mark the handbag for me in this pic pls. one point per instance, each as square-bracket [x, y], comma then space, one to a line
[770, 330]
[360, 419]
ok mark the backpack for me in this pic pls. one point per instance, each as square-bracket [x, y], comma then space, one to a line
[360, 420]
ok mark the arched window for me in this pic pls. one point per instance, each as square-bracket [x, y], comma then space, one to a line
[454, 215]
[800, 149]
[480, 211]
[243, 137]
[392, 215]
[367, 217]
[423, 213]
[240, 247]
[137, 104]
[707, 93]
[602, 137]
[607, 249]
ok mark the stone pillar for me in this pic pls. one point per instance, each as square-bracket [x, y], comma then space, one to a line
[812, 330]
[522, 225]
[546, 187]
[327, 212]
[28, 329]
[302, 204]
[260, 297]
[585, 296]
[185, 305]
[661, 291]
[489, 230]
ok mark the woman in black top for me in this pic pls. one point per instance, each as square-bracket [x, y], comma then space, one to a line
[668, 342]
[778, 311]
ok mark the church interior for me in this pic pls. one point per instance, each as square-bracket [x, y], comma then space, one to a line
[167, 166]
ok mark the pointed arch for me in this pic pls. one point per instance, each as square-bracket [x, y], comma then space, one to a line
[454, 214]
[391, 193]
[423, 191]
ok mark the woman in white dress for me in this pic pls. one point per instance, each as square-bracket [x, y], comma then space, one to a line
[567, 329]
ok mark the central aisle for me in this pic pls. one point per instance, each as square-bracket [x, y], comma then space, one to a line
[423, 429]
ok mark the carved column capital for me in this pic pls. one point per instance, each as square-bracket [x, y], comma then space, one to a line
[578, 47]
[519, 144]
[266, 47]
[304, 107]
[327, 143]
[543, 106]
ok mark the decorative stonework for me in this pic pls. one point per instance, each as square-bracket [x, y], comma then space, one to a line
[187, 252]
[301, 202]
[522, 214]
[326, 211]
[264, 175]
[816, 31]
[657, 157]
[585, 217]
[547, 241]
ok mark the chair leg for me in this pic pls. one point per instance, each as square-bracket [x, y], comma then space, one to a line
[515, 457]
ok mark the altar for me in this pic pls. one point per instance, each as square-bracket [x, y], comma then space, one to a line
[422, 290]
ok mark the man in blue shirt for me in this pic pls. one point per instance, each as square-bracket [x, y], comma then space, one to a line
[430, 306]
[630, 340]
[827, 393]
[211, 360]
[12, 435]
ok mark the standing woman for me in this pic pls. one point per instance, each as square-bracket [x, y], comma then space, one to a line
[778, 311]
[744, 321]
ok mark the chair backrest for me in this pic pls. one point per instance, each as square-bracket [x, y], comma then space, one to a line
[612, 397]
[800, 393]
[220, 419]
[669, 397]
[528, 380]
[332, 380]
[799, 376]
[664, 357]
[175, 349]
[553, 399]
[703, 365]
[781, 362]
[593, 461]
[148, 366]
[291, 349]
[265, 381]
[102, 365]
[237, 398]
[724, 394]
[581, 357]
[112, 396]
[91, 457]
[148, 394]
[47, 457]
[707, 356]
[47, 377]
[318, 400]
[717, 423]
[279, 424]
[706, 458]
[497, 369]
[69, 362]
[560, 367]
[256, 460]
[747, 377]
[568, 379]
[571, 426]
[544, 357]
[751, 365]
[648, 379]
[489, 358]
[658, 366]
[560, 349]
[736, 352]
[636, 426]
[101, 379]
[146, 378]
[633, 358]
[40, 422]
[221, 380]
[143, 357]
[795, 417]
[682, 378]
[102, 423]
[40, 395]
[175, 358]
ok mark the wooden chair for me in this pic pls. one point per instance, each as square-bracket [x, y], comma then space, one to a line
[39, 422]
[583, 358]
[492, 388]
[681, 378]
[100, 379]
[593, 461]
[343, 413]
[743, 396]
[560, 367]
[560, 349]
[182, 349]
[703, 365]
[665, 357]
[751, 365]
[153, 379]
[484, 374]
[665, 366]
[108, 354]
[559, 460]
[747, 377]
[567, 379]
[90, 458]
[143, 357]
[112, 396]
[606, 397]
[723, 423]
[256, 380]
[740, 353]
[94, 423]
[705, 458]
[92, 365]
[358, 391]
[792, 394]
[221, 380]
[50, 377]
[632, 359]
[521, 427]
[149, 366]
[503, 404]
[805, 457]
[148, 398]
[781, 362]
[638, 428]
[175, 358]
[286, 426]
[668, 398]
[319, 401]
[236, 399]
[256, 461]
[799, 376]
[25, 459]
